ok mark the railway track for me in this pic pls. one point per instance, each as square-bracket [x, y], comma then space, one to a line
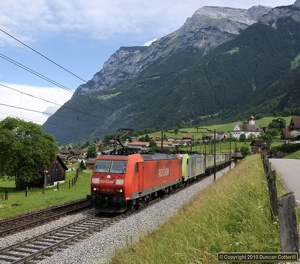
[16, 224]
[41, 246]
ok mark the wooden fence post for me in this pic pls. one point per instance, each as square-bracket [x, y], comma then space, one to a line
[288, 223]
[271, 180]
[6, 194]
[26, 192]
[267, 165]
[57, 186]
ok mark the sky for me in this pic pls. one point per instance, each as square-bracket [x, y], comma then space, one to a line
[50, 47]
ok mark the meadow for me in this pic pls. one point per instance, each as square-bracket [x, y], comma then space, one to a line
[221, 146]
[231, 215]
[18, 203]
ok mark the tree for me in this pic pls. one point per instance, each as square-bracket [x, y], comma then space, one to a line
[25, 151]
[242, 137]
[245, 151]
[82, 166]
[91, 152]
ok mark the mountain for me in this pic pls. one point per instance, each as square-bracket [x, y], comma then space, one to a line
[206, 29]
[220, 66]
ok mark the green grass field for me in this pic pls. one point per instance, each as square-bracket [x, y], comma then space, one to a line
[231, 215]
[220, 146]
[295, 155]
[17, 203]
[263, 122]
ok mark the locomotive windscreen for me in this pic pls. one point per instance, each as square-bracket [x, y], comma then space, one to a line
[110, 166]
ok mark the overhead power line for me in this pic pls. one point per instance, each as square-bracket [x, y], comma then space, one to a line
[36, 73]
[73, 74]
[33, 120]
[40, 112]
[50, 80]
[63, 106]
[45, 57]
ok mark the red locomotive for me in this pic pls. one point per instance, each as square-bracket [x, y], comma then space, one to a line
[120, 182]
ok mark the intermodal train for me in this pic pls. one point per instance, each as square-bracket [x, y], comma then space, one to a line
[121, 182]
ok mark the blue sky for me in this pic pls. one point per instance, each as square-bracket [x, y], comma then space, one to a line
[79, 35]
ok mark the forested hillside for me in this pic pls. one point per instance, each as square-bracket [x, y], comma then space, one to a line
[257, 72]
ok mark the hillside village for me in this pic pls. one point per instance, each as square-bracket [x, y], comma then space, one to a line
[248, 130]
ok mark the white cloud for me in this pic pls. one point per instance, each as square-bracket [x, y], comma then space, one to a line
[42, 100]
[148, 43]
[105, 19]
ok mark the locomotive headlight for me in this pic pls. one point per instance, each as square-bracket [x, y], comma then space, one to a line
[119, 190]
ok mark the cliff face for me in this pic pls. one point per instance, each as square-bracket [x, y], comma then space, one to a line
[208, 28]
[282, 12]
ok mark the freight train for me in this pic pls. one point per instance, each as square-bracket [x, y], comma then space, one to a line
[122, 182]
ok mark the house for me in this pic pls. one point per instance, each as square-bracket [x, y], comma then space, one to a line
[64, 153]
[138, 144]
[292, 132]
[221, 135]
[165, 144]
[188, 137]
[286, 134]
[206, 139]
[56, 172]
[155, 138]
[250, 129]
[89, 163]
[260, 146]
[75, 152]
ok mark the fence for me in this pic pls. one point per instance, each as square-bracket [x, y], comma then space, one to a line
[71, 184]
[284, 208]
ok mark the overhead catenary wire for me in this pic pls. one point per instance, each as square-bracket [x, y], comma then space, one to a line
[85, 97]
[30, 119]
[50, 80]
[48, 101]
[35, 111]
[73, 74]
[56, 125]
[36, 73]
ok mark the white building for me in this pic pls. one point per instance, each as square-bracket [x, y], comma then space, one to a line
[247, 129]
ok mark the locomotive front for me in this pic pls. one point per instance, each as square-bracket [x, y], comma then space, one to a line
[108, 183]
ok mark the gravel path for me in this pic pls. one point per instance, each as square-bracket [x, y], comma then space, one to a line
[99, 247]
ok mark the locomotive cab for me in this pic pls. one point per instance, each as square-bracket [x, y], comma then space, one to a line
[107, 185]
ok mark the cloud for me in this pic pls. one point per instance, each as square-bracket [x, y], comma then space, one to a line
[31, 103]
[148, 43]
[105, 19]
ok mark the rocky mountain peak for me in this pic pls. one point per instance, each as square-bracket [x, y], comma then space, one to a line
[206, 29]
[290, 11]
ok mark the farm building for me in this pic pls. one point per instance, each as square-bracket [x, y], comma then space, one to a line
[292, 132]
[259, 146]
[56, 172]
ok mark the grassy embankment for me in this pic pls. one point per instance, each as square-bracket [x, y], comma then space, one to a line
[294, 155]
[17, 203]
[231, 215]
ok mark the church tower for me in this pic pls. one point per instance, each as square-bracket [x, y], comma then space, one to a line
[251, 120]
